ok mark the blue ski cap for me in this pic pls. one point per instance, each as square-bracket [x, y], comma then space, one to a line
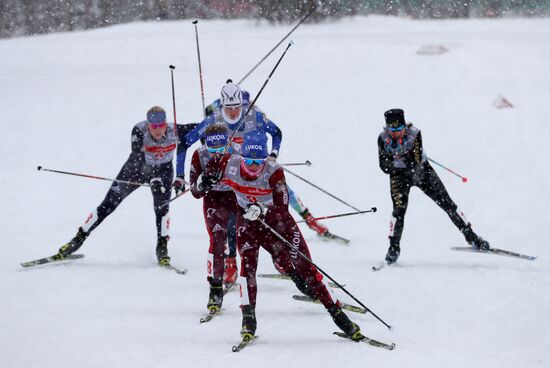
[156, 115]
[254, 145]
[217, 139]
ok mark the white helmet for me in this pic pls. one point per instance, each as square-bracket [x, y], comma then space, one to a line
[231, 94]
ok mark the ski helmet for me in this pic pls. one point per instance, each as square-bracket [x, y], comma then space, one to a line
[231, 95]
[395, 118]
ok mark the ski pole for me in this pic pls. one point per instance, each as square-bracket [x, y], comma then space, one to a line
[256, 98]
[40, 168]
[340, 215]
[277, 45]
[200, 67]
[172, 67]
[464, 179]
[321, 189]
[173, 199]
[307, 163]
[287, 243]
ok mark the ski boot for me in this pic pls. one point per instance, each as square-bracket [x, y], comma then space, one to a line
[344, 323]
[215, 299]
[248, 329]
[474, 240]
[73, 245]
[230, 271]
[393, 253]
[162, 251]
[320, 229]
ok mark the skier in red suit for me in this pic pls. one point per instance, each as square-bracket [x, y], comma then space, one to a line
[261, 193]
[218, 205]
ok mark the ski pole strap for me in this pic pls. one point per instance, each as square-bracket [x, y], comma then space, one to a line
[306, 258]
[40, 168]
[322, 190]
[340, 215]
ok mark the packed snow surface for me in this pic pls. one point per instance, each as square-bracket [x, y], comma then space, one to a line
[69, 102]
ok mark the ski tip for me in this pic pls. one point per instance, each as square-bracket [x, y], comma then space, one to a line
[374, 209]
[195, 21]
[39, 168]
[172, 67]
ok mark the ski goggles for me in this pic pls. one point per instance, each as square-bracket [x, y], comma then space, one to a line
[398, 129]
[233, 108]
[257, 161]
[215, 149]
[158, 125]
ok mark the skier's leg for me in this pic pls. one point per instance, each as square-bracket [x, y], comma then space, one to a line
[230, 272]
[432, 185]
[248, 251]
[399, 189]
[162, 214]
[116, 194]
[305, 275]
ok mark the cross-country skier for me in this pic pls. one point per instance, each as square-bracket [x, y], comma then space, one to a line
[150, 162]
[401, 155]
[218, 206]
[261, 193]
[228, 110]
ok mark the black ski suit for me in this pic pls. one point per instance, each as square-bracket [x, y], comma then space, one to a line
[407, 166]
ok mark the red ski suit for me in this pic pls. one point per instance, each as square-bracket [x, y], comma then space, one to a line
[251, 235]
[218, 204]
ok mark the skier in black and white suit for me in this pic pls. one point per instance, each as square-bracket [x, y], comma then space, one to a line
[401, 155]
[150, 162]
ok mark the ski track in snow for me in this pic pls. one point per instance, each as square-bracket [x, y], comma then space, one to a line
[69, 102]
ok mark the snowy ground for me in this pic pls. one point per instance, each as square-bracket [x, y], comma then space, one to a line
[69, 101]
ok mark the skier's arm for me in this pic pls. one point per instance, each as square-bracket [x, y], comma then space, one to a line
[186, 140]
[194, 173]
[415, 157]
[273, 130]
[385, 160]
[277, 182]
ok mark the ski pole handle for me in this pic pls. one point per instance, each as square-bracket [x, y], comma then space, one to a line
[40, 168]
[307, 163]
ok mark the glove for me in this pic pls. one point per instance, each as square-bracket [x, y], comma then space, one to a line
[255, 211]
[157, 186]
[204, 183]
[273, 155]
[179, 185]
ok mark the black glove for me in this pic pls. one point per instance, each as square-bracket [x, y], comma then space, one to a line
[179, 185]
[205, 182]
[157, 186]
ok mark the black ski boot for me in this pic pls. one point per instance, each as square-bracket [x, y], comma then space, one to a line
[249, 322]
[393, 253]
[474, 240]
[215, 299]
[162, 251]
[344, 323]
[73, 245]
